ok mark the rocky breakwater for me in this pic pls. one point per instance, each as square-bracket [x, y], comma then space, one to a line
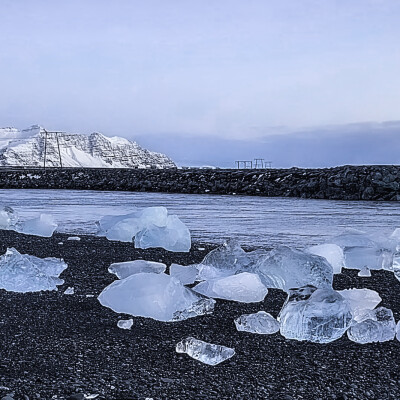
[339, 183]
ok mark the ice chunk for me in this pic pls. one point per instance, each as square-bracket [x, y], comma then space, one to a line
[285, 268]
[43, 225]
[374, 326]
[77, 238]
[125, 323]
[398, 331]
[316, 315]
[244, 287]
[360, 300]
[261, 322]
[69, 290]
[332, 253]
[364, 272]
[128, 268]
[175, 236]
[24, 273]
[207, 353]
[201, 307]
[157, 296]
[8, 218]
[185, 274]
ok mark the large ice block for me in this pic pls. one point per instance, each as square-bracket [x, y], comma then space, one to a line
[262, 323]
[332, 253]
[124, 269]
[174, 236]
[316, 315]
[244, 287]
[24, 273]
[43, 225]
[8, 218]
[185, 274]
[360, 301]
[157, 296]
[285, 268]
[207, 353]
[376, 325]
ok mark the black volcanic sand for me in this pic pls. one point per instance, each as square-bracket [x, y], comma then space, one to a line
[57, 345]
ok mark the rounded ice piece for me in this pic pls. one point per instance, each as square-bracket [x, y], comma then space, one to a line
[8, 218]
[316, 315]
[375, 326]
[332, 253]
[124, 269]
[125, 323]
[261, 322]
[157, 296]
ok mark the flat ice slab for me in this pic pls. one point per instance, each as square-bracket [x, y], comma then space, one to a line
[157, 296]
[262, 323]
[207, 353]
[332, 253]
[24, 273]
[124, 269]
[244, 287]
[43, 225]
[185, 274]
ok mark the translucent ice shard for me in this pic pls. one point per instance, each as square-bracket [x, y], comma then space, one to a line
[316, 315]
[128, 268]
[157, 296]
[244, 287]
[375, 326]
[8, 218]
[201, 307]
[125, 323]
[360, 301]
[365, 272]
[24, 273]
[43, 225]
[207, 353]
[69, 290]
[285, 268]
[185, 274]
[332, 253]
[174, 236]
[261, 322]
[398, 331]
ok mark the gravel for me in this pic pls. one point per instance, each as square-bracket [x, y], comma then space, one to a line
[55, 346]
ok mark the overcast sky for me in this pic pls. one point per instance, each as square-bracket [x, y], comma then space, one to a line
[229, 69]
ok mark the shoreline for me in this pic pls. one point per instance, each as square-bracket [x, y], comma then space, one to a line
[55, 344]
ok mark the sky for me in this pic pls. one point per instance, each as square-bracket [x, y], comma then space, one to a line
[184, 72]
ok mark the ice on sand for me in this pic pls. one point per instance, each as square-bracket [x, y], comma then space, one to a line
[398, 331]
[150, 227]
[244, 287]
[185, 274]
[125, 323]
[69, 290]
[157, 296]
[285, 268]
[43, 225]
[124, 269]
[261, 322]
[316, 315]
[8, 218]
[25, 273]
[374, 326]
[207, 353]
[365, 272]
[332, 253]
[360, 301]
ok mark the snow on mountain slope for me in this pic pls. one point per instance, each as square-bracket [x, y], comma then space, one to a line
[29, 146]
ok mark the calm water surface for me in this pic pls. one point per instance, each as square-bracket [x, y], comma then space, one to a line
[213, 218]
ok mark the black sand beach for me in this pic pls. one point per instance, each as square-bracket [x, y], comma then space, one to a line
[53, 346]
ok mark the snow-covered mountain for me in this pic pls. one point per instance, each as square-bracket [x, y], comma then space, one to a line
[30, 147]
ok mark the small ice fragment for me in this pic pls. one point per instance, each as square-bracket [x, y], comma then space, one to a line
[90, 396]
[8, 218]
[316, 315]
[125, 323]
[69, 290]
[375, 326]
[90, 295]
[244, 287]
[332, 253]
[201, 248]
[60, 243]
[203, 306]
[74, 238]
[43, 225]
[360, 300]
[157, 296]
[364, 272]
[185, 274]
[207, 353]
[261, 322]
[128, 268]
[398, 331]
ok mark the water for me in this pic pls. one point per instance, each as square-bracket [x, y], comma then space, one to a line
[254, 221]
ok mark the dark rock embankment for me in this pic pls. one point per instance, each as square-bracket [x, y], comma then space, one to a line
[380, 182]
[54, 346]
